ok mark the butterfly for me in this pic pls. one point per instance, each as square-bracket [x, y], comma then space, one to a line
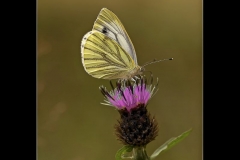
[107, 51]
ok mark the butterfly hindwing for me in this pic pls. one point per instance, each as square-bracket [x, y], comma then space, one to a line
[109, 24]
[102, 57]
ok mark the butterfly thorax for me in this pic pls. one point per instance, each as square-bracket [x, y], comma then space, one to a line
[132, 73]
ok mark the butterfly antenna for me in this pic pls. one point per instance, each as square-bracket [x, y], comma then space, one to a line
[155, 61]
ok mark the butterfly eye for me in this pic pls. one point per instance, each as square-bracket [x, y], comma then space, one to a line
[142, 69]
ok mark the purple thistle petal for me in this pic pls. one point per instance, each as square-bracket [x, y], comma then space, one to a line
[130, 97]
[129, 94]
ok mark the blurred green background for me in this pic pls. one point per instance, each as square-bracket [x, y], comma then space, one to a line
[71, 122]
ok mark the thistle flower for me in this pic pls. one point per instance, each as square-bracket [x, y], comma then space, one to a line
[135, 127]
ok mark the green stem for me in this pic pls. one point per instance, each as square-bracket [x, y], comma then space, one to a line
[139, 153]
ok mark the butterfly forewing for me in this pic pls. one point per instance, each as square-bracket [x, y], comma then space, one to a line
[102, 57]
[109, 24]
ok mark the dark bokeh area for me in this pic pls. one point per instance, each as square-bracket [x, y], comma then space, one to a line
[71, 122]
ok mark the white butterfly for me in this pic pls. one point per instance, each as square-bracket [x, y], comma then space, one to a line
[107, 51]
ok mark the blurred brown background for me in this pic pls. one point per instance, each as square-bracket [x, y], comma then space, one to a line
[71, 122]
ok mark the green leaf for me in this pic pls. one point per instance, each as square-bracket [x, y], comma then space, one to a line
[122, 151]
[170, 143]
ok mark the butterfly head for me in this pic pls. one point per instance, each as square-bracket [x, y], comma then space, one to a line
[142, 69]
